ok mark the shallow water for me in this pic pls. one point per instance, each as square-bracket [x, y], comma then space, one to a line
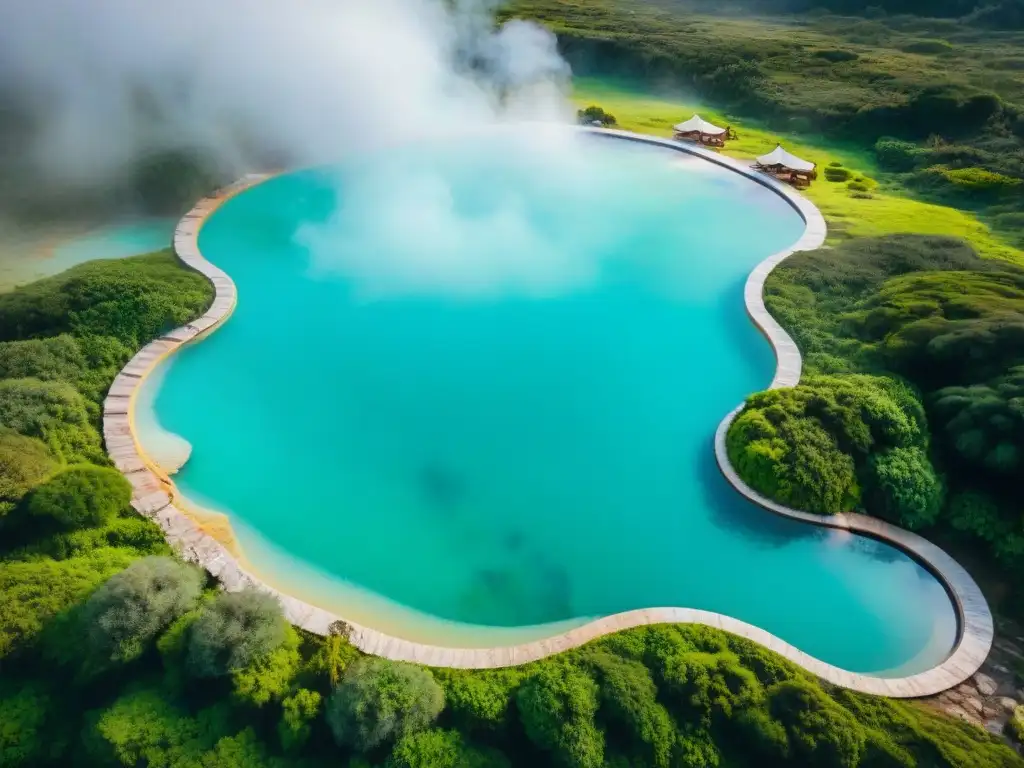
[477, 388]
[28, 256]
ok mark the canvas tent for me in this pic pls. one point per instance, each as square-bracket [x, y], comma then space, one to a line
[700, 130]
[787, 167]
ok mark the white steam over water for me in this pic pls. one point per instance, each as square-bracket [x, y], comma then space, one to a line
[98, 86]
[106, 82]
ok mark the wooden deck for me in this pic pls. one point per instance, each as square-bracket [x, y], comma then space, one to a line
[153, 492]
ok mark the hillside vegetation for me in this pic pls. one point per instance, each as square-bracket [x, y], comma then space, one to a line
[911, 405]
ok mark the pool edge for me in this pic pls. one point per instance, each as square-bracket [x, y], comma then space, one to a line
[153, 490]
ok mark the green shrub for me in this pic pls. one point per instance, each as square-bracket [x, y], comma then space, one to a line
[802, 446]
[297, 714]
[54, 412]
[943, 329]
[819, 731]
[88, 362]
[836, 55]
[696, 749]
[35, 591]
[55, 359]
[268, 676]
[765, 737]
[379, 701]
[629, 700]
[23, 716]
[133, 532]
[233, 631]
[479, 700]
[557, 706]
[705, 687]
[1015, 725]
[897, 155]
[124, 615]
[172, 645]
[792, 460]
[983, 425]
[978, 180]
[24, 463]
[441, 749]
[143, 727]
[904, 488]
[977, 513]
[833, 173]
[932, 47]
[82, 496]
[594, 114]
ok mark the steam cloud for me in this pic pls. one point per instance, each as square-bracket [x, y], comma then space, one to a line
[88, 87]
[91, 88]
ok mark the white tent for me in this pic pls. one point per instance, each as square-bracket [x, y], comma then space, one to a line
[697, 124]
[779, 156]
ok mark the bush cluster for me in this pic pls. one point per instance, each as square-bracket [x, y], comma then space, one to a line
[83, 496]
[923, 310]
[821, 445]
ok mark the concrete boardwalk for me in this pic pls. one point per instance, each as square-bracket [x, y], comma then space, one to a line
[153, 492]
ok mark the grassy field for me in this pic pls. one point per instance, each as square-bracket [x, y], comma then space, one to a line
[890, 209]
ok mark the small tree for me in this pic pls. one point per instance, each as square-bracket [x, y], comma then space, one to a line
[24, 462]
[819, 730]
[268, 676]
[557, 708]
[298, 712]
[380, 701]
[81, 497]
[905, 488]
[441, 749]
[594, 114]
[234, 630]
[133, 606]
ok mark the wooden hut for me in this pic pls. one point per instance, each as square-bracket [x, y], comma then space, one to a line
[786, 167]
[699, 130]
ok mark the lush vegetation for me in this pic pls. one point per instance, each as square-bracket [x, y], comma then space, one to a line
[666, 696]
[911, 410]
[64, 515]
[114, 653]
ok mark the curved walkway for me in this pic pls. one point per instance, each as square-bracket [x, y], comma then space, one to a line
[153, 493]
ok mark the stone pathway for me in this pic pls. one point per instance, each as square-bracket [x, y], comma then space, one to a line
[989, 697]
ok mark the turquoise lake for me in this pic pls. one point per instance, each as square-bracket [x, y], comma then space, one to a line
[47, 253]
[468, 396]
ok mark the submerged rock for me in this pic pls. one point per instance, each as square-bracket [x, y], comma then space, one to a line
[514, 541]
[440, 486]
